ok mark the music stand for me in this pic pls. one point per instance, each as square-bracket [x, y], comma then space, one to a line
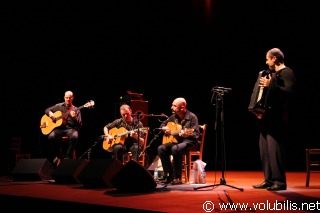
[218, 93]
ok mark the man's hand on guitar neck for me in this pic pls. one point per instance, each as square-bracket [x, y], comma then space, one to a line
[134, 135]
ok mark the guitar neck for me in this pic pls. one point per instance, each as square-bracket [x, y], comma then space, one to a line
[68, 112]
[124, 133]
[131, 131]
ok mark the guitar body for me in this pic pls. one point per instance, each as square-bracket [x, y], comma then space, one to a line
[172, 138]
[118, 137]
[47, 125]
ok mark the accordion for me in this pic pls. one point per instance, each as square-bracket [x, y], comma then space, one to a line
[259, 96]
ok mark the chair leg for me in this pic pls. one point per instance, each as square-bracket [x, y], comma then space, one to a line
[189, 163]
[186, 173]
[307, 167]
[74, 154]
[308, 177]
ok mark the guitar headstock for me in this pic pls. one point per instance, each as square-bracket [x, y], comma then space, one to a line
[89, 104]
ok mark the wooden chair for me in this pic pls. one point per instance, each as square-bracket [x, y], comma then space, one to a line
[191, 156]
[312, 162]
[15, 147]
[127, 156]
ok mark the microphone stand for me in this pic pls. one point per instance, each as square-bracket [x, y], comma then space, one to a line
[138, 125]
[218, 94]
[147, 147]
[138, 115]
[88, 152]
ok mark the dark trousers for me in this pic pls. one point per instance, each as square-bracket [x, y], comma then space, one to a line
[176, 150]
[119, 150]
[55, 143]
[272, 158]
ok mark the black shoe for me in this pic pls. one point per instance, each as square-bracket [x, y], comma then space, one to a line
[277, 187]
[263, 185]
[168, 180]
[161, 178]
[176, 181]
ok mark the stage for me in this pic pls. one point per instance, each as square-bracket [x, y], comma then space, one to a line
[47, 195]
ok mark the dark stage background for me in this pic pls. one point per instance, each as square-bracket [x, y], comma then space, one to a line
[162, 50]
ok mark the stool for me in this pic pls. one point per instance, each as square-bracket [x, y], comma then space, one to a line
[64, 147]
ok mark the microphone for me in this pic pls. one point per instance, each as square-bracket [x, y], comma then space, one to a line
[224, 89]
[157, 129]
[164, 115]
[101, 137]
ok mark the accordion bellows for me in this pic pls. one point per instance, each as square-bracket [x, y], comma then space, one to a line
[258, 101]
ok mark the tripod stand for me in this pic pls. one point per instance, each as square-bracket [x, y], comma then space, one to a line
[88, 152]
[218, 93]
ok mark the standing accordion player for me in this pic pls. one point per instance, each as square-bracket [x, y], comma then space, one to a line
[259, 97]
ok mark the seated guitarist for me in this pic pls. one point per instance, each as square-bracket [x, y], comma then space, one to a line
[177, 142]
[128, 142]
[70, 127]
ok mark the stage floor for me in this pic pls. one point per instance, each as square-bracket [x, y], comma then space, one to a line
[45, 195]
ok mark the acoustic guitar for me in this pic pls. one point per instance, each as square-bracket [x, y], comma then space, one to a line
[119, 135]
[175, 130]
[47, 124]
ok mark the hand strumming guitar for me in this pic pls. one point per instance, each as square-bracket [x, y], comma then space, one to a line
[53, 118]
[166, 130]
[186, 132]
[108, 138]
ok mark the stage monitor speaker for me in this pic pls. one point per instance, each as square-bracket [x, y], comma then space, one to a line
[32, 170]
[98, 173]
[69, 170]
[133, 177]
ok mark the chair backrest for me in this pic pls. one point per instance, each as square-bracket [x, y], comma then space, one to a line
[127, 156]
[203, 130]
[312, 162]
[191, 156]
[15, 145]
[142, 158]
[15, 149]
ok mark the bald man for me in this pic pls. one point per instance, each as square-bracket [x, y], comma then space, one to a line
[177, 140]
[70, 127]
